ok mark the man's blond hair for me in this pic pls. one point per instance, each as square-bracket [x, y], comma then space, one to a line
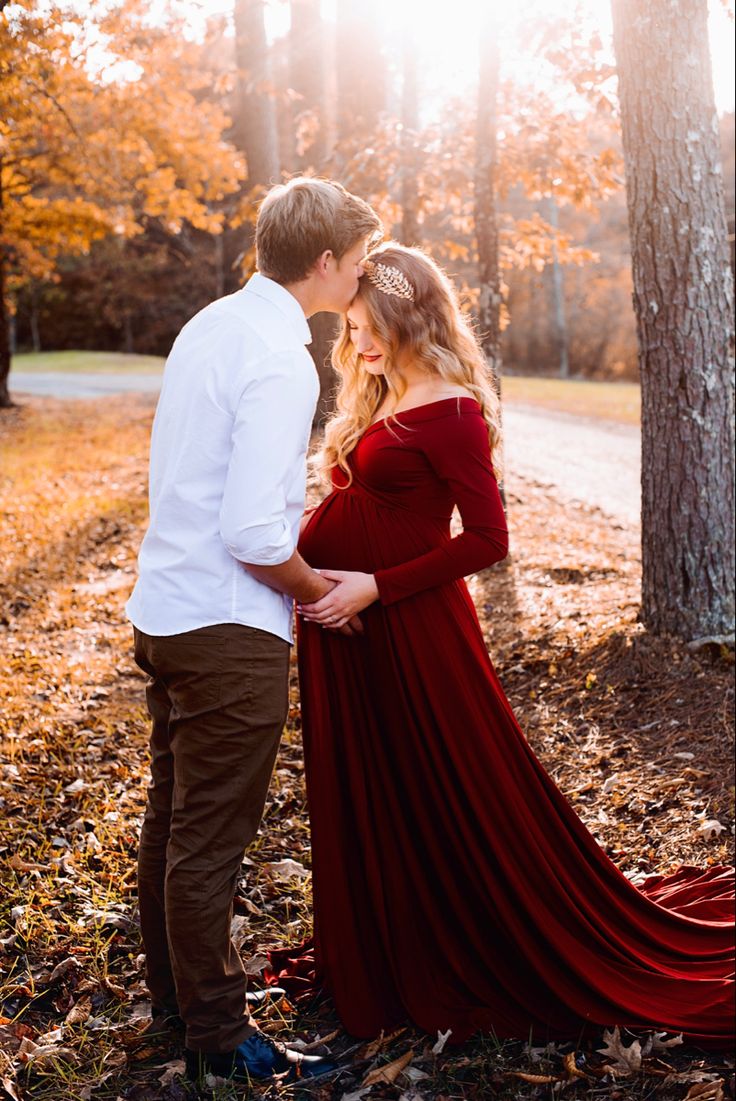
[301, 219]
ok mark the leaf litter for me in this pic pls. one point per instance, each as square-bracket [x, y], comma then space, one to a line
[635, 730]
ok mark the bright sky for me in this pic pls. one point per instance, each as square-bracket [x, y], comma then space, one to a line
[445, 34]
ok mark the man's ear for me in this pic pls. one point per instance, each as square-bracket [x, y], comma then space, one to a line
[323, 262]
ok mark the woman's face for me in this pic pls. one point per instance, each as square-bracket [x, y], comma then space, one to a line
[371, 352]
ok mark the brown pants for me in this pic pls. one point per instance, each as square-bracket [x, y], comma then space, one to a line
[218, 699]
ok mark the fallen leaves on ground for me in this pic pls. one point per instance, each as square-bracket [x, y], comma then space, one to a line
[622, 1060]
[635, 730]
[388, 1073]
[710, 1092]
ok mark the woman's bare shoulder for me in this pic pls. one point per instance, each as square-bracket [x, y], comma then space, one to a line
[451, 390]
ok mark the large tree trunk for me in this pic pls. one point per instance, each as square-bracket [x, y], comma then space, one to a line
[486, 225]
[558, 298]
[307, 61]
[361, 71]
[410, 162]
[218, 242]
[358, 87]
[5, 401]
[254, 131]
[325, 327]
[486, 220]
[683, 296]
[255, 123]
[35, 317]
[307, 69]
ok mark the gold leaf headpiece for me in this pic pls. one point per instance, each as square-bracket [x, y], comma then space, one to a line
[388, 279]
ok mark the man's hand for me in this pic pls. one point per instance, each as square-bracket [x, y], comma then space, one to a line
[352, 593]
[352, 627]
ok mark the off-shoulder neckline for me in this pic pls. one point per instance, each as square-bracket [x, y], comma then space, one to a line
[455, 399]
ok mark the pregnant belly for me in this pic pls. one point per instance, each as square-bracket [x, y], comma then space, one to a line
[351, 531]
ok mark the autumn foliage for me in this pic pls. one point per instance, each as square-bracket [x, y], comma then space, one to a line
[104, 130]
[128, 146]
[116, 129]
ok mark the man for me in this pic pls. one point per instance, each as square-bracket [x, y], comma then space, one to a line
[212, 606]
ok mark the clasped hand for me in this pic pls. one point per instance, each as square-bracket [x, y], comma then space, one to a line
[351, 594]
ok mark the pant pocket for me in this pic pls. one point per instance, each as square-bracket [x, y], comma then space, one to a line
[190, 666]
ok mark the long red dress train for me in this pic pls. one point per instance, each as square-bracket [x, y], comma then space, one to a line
[453, 883]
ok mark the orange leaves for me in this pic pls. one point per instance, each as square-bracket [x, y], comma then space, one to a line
[571, 1071]
[706, 1091]
[99, 126]
[533, 242]
[375, 1047]
[571, 1068]
[388, 1074]
[636, 1062]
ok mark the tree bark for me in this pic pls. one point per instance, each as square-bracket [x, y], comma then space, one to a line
[307, 76]
[255, 125]
[5, 401]
[361, 76]
[35, 320]
[486, 225]
[558, 298]
[409, 144]
[325, 327]
[218, 241]
[254, 130]
[486, 219]
[683, 299]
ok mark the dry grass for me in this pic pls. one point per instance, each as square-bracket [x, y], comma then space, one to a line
[598, 698]
[615, 401]
[106, 363]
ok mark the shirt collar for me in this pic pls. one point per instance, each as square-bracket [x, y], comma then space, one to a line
[283, 300]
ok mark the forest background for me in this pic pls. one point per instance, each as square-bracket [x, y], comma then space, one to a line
[135, 142]
[142, 139]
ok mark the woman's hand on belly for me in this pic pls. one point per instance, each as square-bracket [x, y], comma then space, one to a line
[352, 593]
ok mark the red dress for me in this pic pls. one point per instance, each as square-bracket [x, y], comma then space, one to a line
[453, 883]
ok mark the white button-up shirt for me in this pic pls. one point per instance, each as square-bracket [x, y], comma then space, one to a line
[228, 465]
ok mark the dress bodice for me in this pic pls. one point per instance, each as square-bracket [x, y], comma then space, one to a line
[415, 467]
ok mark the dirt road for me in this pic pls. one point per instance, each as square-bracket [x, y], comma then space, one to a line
[80, 384]
[593, 461]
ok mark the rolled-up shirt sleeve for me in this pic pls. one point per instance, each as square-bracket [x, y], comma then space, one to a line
[270, 436]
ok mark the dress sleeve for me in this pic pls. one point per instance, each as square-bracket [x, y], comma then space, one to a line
[459, 452]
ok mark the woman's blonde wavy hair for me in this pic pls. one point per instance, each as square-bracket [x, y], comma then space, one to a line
[429, 330]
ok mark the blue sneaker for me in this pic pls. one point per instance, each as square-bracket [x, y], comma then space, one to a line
[257, 1057]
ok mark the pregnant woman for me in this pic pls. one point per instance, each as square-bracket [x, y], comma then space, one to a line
[454, 886]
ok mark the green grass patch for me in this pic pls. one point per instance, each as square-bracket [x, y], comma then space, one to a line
[615, 401]
[107, 363]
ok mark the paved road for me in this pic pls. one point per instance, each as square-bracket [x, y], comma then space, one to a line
[587, 460]
[58, 384]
